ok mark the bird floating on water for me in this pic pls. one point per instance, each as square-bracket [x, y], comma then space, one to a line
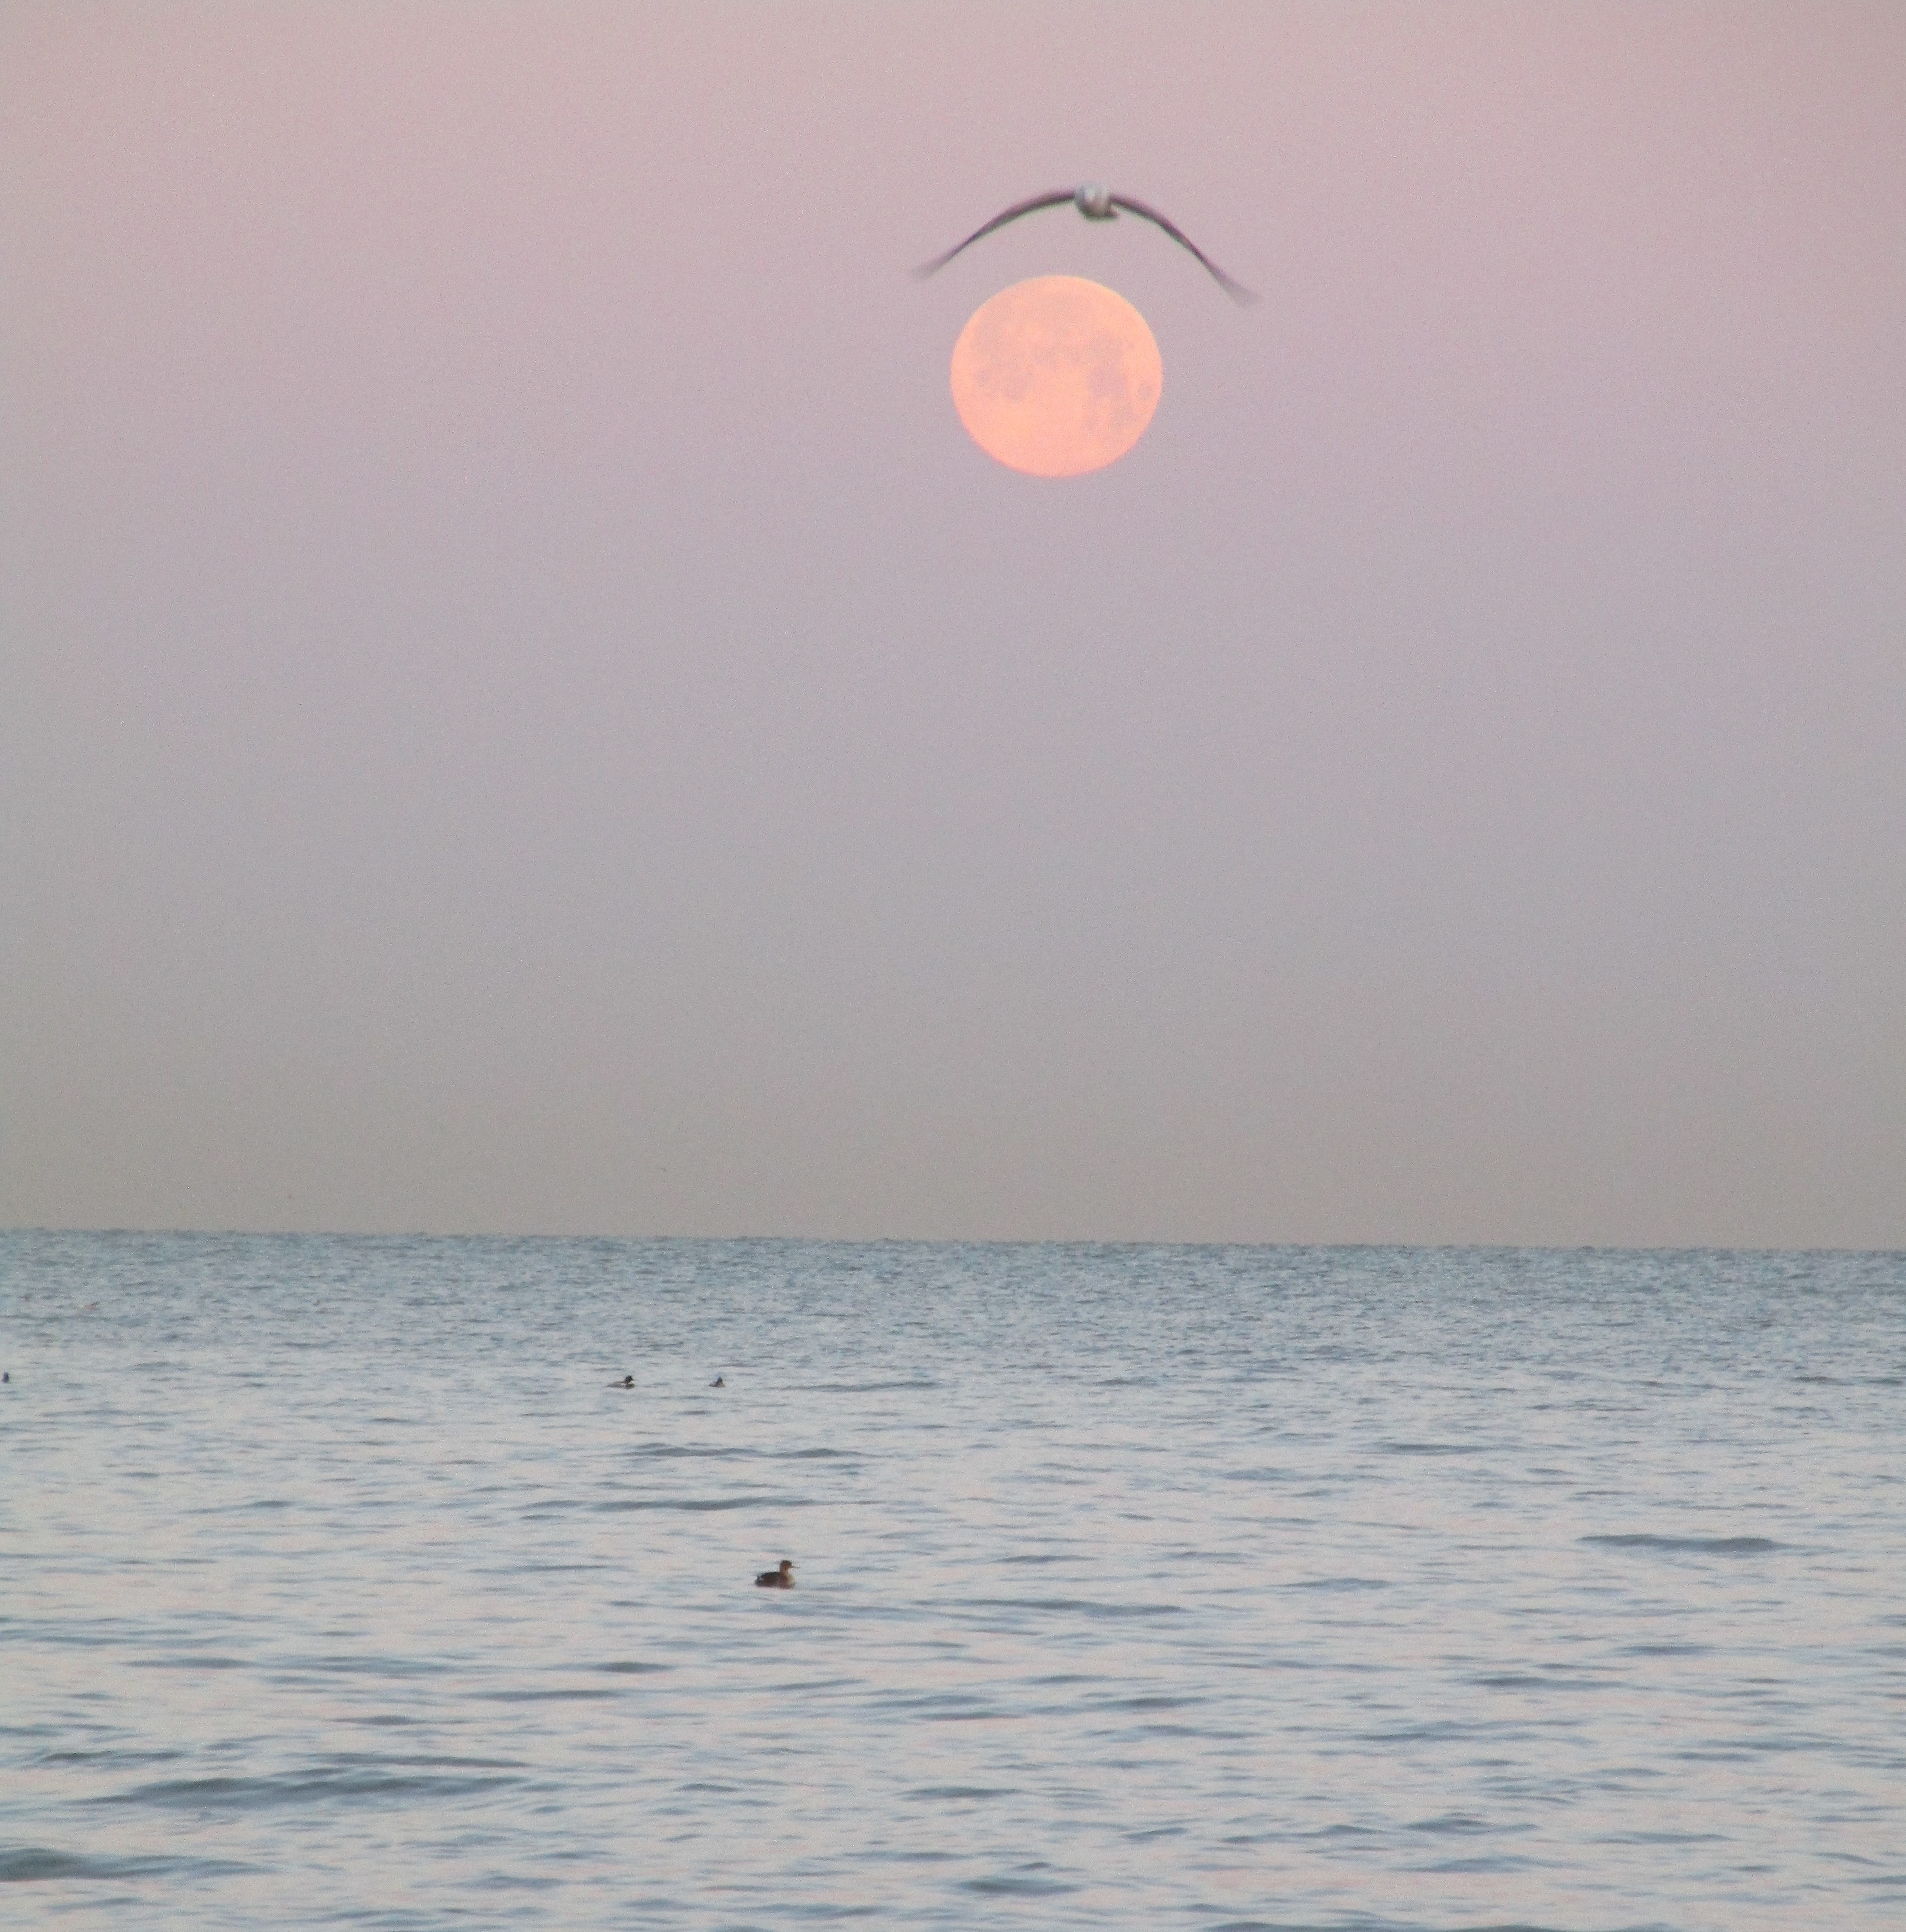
[782, 1579]
[627, 1381]
[719, 1381]
[1095, 204]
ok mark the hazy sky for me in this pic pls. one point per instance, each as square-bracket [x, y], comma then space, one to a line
[521, 709]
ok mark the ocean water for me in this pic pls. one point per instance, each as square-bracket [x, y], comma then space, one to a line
[1136, 1587]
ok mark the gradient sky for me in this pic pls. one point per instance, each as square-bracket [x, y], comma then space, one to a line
[521, 709]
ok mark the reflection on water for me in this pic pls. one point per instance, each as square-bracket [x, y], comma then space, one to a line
[1136, 1587]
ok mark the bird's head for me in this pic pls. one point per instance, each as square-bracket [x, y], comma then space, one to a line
[1094, 203]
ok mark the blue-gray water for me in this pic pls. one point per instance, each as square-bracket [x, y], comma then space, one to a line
[1137, 1587]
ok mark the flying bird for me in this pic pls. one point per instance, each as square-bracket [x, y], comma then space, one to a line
[1095, 204]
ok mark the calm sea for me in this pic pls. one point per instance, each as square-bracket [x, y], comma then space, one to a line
[1136, 1587]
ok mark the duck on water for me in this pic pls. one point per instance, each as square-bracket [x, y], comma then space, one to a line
[782, 1579]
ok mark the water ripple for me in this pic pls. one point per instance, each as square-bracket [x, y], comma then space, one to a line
[1360, 1591]
[1698, 1546]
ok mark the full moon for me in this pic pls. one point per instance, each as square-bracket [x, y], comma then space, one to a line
[1056, 377]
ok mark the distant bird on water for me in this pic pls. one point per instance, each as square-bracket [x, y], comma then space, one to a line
[627, 1381]
[719, 1381]
[782, 1579]
[1095, 204]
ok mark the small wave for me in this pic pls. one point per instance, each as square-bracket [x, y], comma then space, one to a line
[939, 1710]
[697, 1505]
[1453, 1821]
[1342, 1583]
[31, 1864]
[1539, 1680]
[122, 1758]
[1018, 1887]
[1495, 1863]
[1432, 1448]
[1698, 1546]
[1432, 1730]
[430, 1761]
[672, 1452]
[258, 1794]
[573, 1695]
[1080, 1603]
[292, 1668]
[959, 1793]
[864, 1388]
[632, 1670]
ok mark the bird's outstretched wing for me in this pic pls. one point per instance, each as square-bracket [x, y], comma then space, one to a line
[1236, 291]
[1012, 214]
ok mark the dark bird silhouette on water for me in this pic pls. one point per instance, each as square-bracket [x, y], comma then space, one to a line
[1095, 204]
[627, 1381]
[782, 1579]
[719, 1381]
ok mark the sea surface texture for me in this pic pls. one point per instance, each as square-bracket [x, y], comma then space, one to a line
[1147, 1588]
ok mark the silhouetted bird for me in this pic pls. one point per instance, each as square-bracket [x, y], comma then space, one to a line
[717, 1383]
[1095, 204]
[627, 1381]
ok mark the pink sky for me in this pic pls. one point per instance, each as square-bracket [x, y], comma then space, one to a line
[523, 709]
